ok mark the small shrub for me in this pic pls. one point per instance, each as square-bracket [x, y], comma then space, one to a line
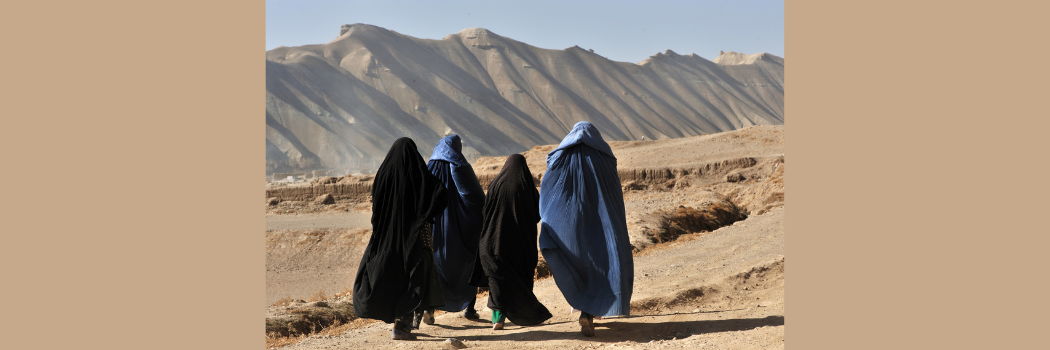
[309, 320]
[283, 301]
[691, 220]
[319, 296]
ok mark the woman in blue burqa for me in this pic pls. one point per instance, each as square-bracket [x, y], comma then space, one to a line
[583, 234]
[397, 275]
[457, 229]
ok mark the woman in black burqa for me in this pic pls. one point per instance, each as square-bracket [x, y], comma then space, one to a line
[507, 253]
[397, 275]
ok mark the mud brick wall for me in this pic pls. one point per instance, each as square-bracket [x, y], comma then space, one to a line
[654, 175]
[362, 191]
[355, 191]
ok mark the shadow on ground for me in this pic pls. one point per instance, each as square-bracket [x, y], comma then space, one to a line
[619, 330]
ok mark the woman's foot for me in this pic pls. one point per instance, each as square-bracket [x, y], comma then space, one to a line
[586, 324]
[470, 314]
[397, 334]
[497, 319]
[428, 317]
[401, 331]
[417, 316]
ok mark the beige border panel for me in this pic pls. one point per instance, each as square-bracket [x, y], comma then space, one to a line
[133, 138]
[916, 193]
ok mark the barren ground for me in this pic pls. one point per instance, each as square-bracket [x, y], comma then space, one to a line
[718, 289]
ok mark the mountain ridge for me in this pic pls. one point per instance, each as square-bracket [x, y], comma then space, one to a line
[341, 104]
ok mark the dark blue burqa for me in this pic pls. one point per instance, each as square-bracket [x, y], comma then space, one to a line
[583, 235]
[457, 230]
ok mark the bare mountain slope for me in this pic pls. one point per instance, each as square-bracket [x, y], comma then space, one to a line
[340, 105]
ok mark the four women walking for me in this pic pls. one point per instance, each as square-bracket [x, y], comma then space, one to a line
[436, 236]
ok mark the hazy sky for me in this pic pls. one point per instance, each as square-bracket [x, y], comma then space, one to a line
[628, 31]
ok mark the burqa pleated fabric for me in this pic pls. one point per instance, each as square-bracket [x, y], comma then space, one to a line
[507, 255]
[396, 275]
[457, 229]
[583, 235]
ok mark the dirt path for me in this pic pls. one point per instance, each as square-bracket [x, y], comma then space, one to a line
[723, 289]
[349, 219]
[311, 253]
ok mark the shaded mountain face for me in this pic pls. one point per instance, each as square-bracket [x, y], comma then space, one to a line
[342, 104]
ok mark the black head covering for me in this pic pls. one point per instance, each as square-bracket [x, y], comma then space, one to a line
[507, 254]
[392, 276]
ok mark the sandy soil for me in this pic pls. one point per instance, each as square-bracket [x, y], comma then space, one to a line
[717, 289]
[333, 219]
[698, 293]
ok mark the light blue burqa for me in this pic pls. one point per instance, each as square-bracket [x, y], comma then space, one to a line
[583, 236]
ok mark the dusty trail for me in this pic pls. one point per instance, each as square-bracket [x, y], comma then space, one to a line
[688, 294]
[319, 221]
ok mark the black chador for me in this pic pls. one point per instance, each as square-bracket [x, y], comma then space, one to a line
[396, 275]
[507, 253]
